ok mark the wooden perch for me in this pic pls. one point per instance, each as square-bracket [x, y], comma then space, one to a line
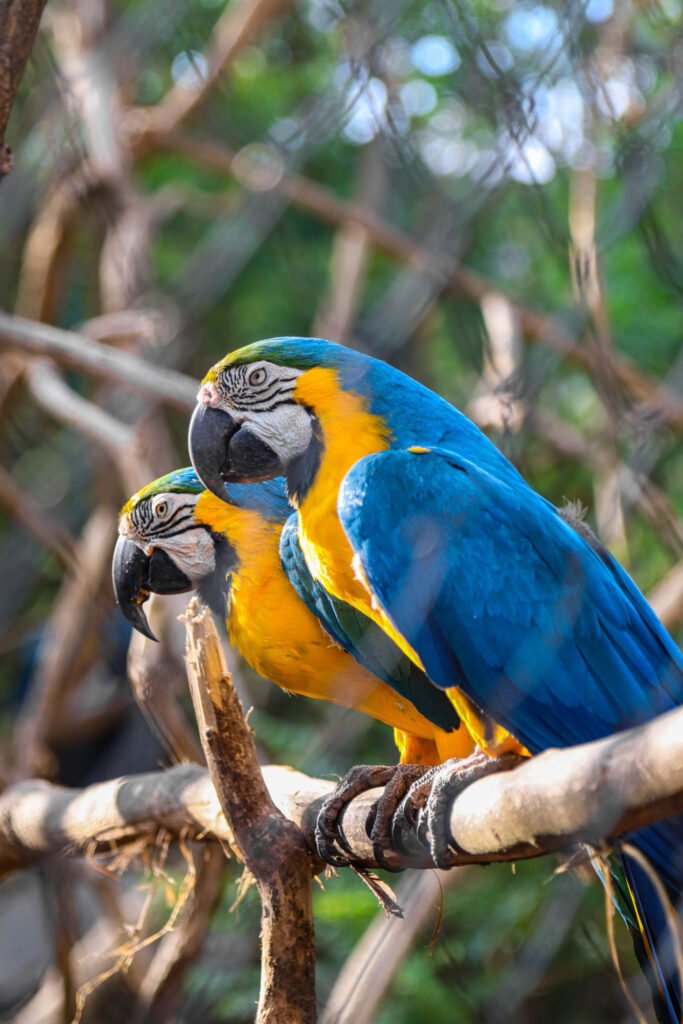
[561, 797]
[272, 846]
[38, 819]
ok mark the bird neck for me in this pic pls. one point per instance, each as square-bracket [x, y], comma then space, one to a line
[348, 432]
[344, 431]
[253, 538]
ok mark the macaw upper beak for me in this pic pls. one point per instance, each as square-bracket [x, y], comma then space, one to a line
[136, 575]
[224, 451]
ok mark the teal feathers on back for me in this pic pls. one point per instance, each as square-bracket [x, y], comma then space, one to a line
[358, 635]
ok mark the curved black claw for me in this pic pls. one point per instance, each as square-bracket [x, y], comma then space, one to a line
[428, 802]
[329, 837]
[381, 819]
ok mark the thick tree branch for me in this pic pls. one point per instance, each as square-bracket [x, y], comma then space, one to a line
[19, 21]
[589, 792]
[38, 819]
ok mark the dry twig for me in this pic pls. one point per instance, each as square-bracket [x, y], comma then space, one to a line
[160, 989]
[273, 847]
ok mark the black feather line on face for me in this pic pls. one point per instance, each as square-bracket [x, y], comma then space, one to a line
[302, 470]
[242, 396]
[150, 527]
[215, 588]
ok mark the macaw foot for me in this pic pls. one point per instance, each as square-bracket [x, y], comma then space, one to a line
[381, 819]
[397, 780]
[427, 805]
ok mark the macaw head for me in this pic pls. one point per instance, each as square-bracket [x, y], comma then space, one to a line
[263, 411]
[252, 420]
[167, 543]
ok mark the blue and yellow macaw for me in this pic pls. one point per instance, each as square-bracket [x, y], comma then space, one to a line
[411, 515]
[175, 536]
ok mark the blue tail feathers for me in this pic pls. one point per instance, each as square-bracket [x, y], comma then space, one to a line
[659, 951]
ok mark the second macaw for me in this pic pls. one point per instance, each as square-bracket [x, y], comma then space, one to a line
[410, 514]
[176, 536]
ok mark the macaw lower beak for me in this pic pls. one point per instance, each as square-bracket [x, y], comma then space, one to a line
[224, 451]
[136, 575]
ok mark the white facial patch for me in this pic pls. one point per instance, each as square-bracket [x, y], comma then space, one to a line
[193, 552]
[287, 430]
[167, 521]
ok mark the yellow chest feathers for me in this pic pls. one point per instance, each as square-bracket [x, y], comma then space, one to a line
[350, 432]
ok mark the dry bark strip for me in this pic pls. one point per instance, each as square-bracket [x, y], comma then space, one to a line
[273, 847]
[561, 797]
[19, 20]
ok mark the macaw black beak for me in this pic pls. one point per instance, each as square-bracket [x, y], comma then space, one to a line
[224, 451]
[136, 575]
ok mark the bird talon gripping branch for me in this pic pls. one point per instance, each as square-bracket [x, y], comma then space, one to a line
[381, 819]
[446, 783]
[329, 835]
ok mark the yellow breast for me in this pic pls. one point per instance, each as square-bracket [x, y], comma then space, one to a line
[281, 639]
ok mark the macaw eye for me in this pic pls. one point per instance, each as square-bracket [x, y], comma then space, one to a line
[257, 376]
[161, 508]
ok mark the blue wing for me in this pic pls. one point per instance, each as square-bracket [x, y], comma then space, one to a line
[362, 638]
[500, 596]
[543, 630]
